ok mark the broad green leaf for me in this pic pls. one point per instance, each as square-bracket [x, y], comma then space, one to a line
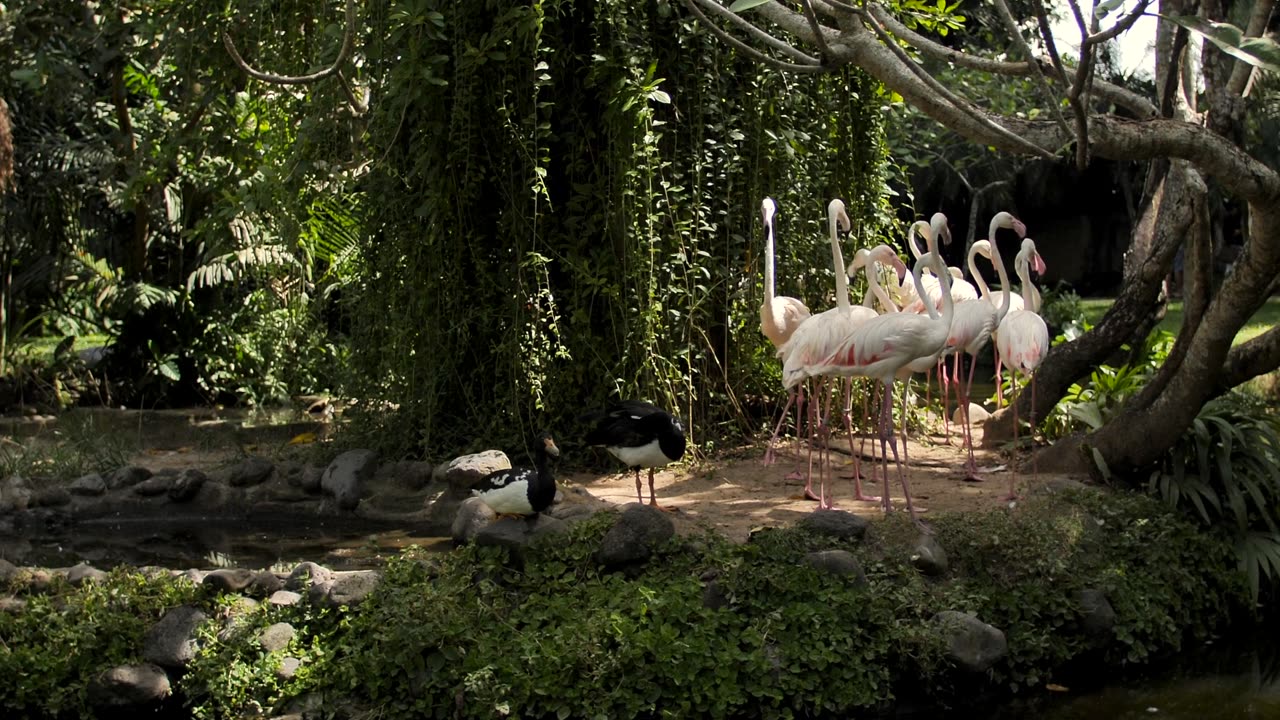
[741, 5]
[1258, 52]
[1105, 8]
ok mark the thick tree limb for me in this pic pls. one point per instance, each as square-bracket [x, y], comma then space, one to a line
[1051, 99]
[750, 29]
[809, 64]
[1258, 21]
[1248, 360]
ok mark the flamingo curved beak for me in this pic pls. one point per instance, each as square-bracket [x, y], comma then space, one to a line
[1037, 263]
[1019, 228]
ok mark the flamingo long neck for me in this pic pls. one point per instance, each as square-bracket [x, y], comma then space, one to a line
[915, 276]
[998, 262]
[837, 259]
[874, 287]
[978, 280]
[1024, 276]
[769, 289]
[924, 229]
[948, 305]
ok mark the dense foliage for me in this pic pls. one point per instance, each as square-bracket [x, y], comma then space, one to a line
[474, 634]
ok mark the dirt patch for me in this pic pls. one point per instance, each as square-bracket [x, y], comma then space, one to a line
[737, 492]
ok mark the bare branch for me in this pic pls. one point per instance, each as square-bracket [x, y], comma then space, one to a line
[359, 106]
[1052, 99]
[1258, 22]
[749, 28]
[812, 65]
[1123, 25]
[817, 29]
[956, 101]
[1248, 360]
[348, 40]
[1051, 46]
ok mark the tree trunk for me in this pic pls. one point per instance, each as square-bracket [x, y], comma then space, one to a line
[1161, 229]
[1139, 435]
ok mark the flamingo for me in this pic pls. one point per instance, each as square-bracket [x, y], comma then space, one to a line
[1022, 340]
[819, 328]
[884, 348]
[779, 318]
[973, 324]
[1015, 303]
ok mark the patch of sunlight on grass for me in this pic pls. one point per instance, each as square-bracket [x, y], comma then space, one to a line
[41, 348]
[1266, 317]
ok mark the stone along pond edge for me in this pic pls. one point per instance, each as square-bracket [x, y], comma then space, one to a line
[612, 613]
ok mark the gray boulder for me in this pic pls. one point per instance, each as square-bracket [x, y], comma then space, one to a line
[84, 573]
[346, 476]
[129, 686]
[154, 486]
[276, 636]
[7, 570]
[309, 480]
[187, 485]
[637, 532]
[263, 584]
[407, 474]
[306, 574]
[462, 473]
[1097, 617]
[836, 523]
[287, 669]
[516, 535]
[346, 588]
[171, 642]
[837, 562]
[127, 476]
[473, 516]
[50, 497]
[252, 471]
[928, 557]
[91, 485]
[971, 644]
[229, 580]
[14, 494]
[214, 496]
[284, 598]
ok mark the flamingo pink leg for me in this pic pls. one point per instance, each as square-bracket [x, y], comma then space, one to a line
[857, 457]
[795, 473]
[768, 450]
[946, 399]
[1013, 466]
[971, 469]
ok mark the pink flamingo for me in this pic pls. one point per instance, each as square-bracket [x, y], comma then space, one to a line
[1015, 303]
[819, 330]
[779, 318]
[884, 348]
[1022, 340]
[973, 324]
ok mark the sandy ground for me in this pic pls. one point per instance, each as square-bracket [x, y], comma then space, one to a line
[737, 492]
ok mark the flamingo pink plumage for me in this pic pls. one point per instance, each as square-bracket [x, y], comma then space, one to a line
[1023, 339]
[973, 324]
[883, 348]
[779, 318]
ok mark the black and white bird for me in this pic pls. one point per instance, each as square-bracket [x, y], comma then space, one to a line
[522, 490]
[641, 435]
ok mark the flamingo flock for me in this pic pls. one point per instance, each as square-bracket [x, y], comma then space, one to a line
[921, 320]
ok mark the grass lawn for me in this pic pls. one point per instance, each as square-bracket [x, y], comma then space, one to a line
[1267, 316]
[42, 348]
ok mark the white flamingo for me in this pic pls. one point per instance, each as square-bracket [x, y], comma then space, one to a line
[973, 324]
[884, 348]
[779, 318]
[1022, 341]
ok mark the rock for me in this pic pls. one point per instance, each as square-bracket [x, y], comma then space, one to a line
[462, 473]
[309, 481]
[928, 557]
[171, 642]
[637, 532]
[306, 574]
[977, 415]
[713, 596]
[12, 605]
[1097, 617]
[187, 484]
[971, 644]
[346, 588]
[252, 471]
[7, 570]
[194, 576]
[288, 668]
[276, 636]
[473, 516]
[443, 510]
[90, 485]
[39, 581]
[347, 474]
[83, 573]
[153, 486]
[516, 535]
[836, 523]
[127, 476]
[14, 494]
[837, 562]
[263, 584]
[284, 598]
[50, 497]
[229, 580]
[215, 496]
[129, 686]
[407, 474]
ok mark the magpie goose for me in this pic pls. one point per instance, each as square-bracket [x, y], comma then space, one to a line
[641, 435]
[522, 490]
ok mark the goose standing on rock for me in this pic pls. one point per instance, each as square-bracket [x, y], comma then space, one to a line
[641, 435]
[522, 491]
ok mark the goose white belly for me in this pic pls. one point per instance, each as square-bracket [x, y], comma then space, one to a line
[510, 498]
[647, 455]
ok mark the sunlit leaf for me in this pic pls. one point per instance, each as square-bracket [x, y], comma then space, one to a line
[741, 5]
[1260, 52]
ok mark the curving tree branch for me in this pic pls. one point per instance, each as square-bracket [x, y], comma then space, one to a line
[348, 42]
